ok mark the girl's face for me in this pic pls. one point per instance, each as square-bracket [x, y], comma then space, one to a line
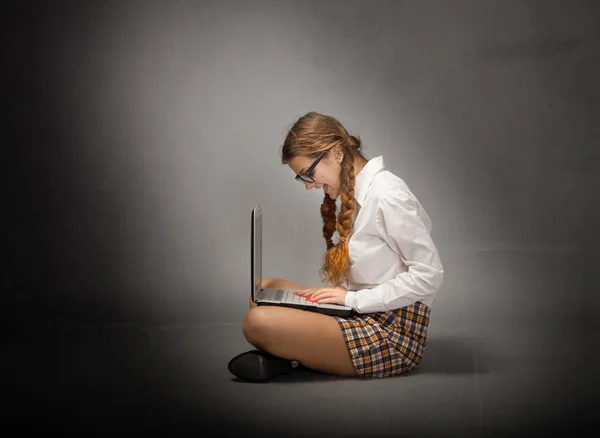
[325, 175]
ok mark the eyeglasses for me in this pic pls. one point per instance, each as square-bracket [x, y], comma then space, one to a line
[307, 177]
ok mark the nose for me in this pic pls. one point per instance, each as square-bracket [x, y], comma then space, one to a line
[309, 185]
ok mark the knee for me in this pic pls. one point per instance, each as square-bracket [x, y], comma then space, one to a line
[256, 325]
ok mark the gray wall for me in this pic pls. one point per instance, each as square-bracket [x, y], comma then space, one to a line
[141, 134]
[146, 131]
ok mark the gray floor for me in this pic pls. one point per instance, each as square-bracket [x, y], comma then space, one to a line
[494, 367]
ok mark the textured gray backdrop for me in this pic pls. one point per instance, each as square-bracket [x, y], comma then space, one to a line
[143, 133]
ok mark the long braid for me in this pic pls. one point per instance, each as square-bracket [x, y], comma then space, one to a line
[329, 224]
[311, 135]
[344, 224]
[335, 268]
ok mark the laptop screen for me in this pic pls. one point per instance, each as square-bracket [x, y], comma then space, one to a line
[256, 250]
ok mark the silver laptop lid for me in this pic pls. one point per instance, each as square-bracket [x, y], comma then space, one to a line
[256, 251]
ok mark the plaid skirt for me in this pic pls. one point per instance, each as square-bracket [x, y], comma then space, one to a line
[386, 343]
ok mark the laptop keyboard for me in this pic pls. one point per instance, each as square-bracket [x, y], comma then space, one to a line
[287, 297]
[275, 295]
[297, 299]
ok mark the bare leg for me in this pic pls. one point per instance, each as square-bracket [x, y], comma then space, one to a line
[313, 339]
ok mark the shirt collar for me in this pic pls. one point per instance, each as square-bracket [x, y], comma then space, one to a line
[365, 177]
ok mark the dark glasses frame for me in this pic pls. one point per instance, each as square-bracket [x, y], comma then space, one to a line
[307, 176]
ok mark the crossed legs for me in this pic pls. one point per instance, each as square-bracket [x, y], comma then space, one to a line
[313, 339]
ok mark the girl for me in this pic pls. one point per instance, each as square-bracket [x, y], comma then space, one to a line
[384, 265]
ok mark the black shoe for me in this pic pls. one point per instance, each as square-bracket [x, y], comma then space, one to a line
[259, 365]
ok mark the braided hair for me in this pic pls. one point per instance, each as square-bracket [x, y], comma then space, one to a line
[311, 135]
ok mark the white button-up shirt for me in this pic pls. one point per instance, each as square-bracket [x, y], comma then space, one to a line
[393, 260]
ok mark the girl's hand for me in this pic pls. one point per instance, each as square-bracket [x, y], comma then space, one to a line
[325, 294]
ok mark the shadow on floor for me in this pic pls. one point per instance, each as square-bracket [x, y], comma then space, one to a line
[445, 355]
[460, 355]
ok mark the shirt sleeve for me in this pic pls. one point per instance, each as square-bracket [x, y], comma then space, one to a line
[400, 225]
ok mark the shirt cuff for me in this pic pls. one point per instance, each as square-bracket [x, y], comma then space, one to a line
[350, 300]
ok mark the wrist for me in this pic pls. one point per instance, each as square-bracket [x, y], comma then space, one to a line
[350, 299]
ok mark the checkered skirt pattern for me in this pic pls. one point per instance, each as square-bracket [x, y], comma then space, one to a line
[386, 343]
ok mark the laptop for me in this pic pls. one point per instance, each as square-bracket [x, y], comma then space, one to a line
[280, 297]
